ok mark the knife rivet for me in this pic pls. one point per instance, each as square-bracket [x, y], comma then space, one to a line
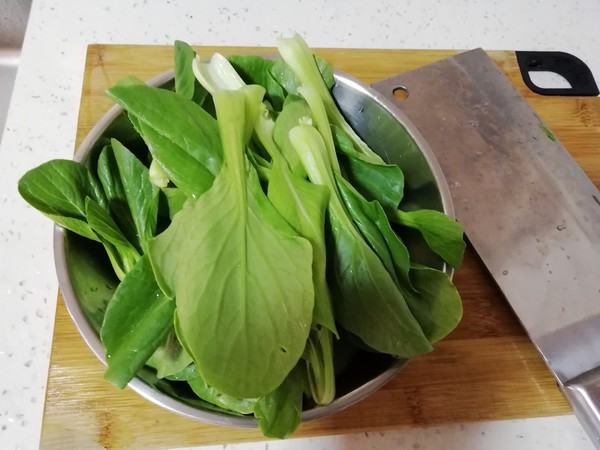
[505, 272]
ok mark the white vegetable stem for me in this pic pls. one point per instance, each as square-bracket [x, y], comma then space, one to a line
[321, 122]
[298, 56]
[217, 74]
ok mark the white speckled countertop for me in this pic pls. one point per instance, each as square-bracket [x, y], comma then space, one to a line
[43, 117]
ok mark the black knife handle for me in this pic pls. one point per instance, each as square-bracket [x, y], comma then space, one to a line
[574, 70]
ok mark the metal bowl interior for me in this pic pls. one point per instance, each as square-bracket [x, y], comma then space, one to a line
[87, 281]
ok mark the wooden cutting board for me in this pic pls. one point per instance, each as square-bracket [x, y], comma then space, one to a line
[486, 369]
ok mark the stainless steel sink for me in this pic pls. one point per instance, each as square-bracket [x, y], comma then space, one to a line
[13, 23]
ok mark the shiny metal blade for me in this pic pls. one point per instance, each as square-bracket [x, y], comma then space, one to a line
[528, 209]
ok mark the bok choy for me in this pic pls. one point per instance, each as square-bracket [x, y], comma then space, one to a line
[257, 239]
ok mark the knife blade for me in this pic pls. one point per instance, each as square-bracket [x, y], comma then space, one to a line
[529, 210]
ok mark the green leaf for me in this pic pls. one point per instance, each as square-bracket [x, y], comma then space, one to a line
[326, 72]
[140, 194]
[175, 118]
[246, 290]
[367, 301]
[179, 391]
[137, 319]
[110, 178]
[435, 302]
[184, 77]
[547, 132]
[429, 293]
[286, 77]
[78, 226]
[342, 141]
[257, 70]
[381, 182]
[279, 413]
[94, 281]
[122, 254]
[443, 234]
[186, 172]
[321, 122]
[169, 358]
[175, 200]
[295, 111]
[208, 393]
[120, 265]
[303, 205]
[130, 80]
[60, 187]
[186, 84]
[371, 220]
[104, 225]
[186, 374]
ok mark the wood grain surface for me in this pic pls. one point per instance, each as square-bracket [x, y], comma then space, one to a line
[486, 369]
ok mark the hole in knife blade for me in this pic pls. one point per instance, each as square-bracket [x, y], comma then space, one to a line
[549, 80]
[400, 93]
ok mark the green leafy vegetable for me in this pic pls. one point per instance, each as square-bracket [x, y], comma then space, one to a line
[111, 236]
[374, 226]
[435, 302]
[257, 70]
[279, 412]
[170, 358]
[294, 110]
[381, 182]
[141, 196]
[303, 205]
[137, 320]
[286, 77]
[175, 162]
[110, 178]
[60, 187]
[275, 264]
[369, 305]
[194, 131]
[247, 289]
[175, 200]
[212, 395]
[75, 225]
[184, 77]
[300, 59]
[442, 233]
[188, 373]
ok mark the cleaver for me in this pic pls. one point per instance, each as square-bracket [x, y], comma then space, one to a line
[528, 209]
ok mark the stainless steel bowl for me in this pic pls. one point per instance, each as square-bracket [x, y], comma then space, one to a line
[83, 272]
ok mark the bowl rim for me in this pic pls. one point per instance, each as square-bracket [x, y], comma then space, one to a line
[159, 398]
